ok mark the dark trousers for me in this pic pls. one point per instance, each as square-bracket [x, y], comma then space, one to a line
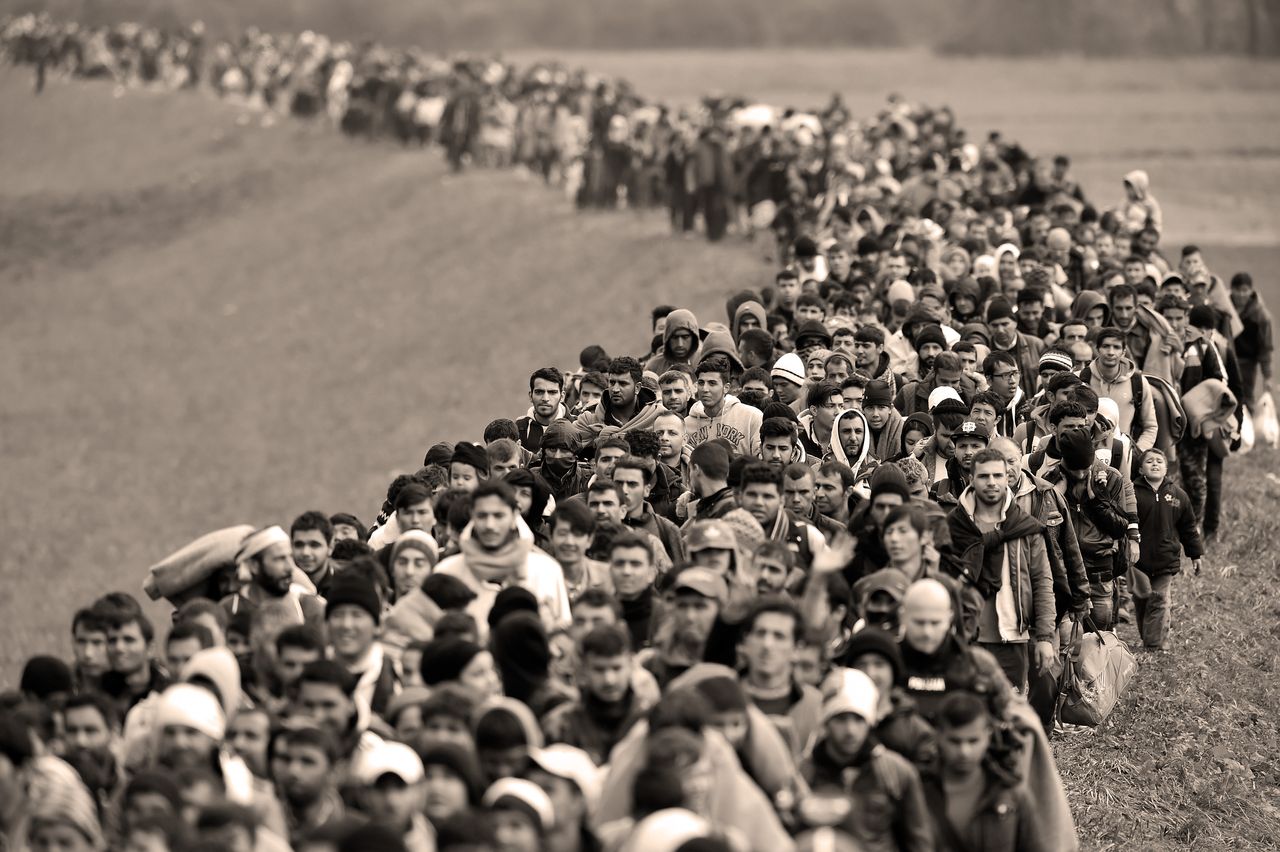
[1013, 660]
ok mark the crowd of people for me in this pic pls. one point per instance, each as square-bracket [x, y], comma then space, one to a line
[804, 576]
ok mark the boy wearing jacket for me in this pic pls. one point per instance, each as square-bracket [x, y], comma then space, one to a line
[1167, 524]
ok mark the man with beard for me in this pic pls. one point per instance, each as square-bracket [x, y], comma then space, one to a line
[718, 414]
[559, 468]
[928, 343]
[265, 568]
[497, 551]
[311, 537]
[608, 705]
[634, 476]
[303, 759]
[353, 612]
[798, 495]
[694, 631]
[833, 488]
[680, 341]
[770, 637]
[627, 405]
[132, 674]
[546, 391]
[1000, 549]
[91, 733]
[676, 388]
[1005, 337]
[947, 372]
[760, 493]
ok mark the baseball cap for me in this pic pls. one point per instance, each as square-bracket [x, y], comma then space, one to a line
[389, 758]
[703, 581]
[972, 429]
[888, 580]
[710, 535]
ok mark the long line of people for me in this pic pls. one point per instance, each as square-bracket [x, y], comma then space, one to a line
[800, 578]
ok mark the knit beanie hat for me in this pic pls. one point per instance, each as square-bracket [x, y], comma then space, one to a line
[444, 659]
[930, 334]
[523, 654]
[447, 591]
[44, 676]
[465, 452]
[888, 479]
[460, 760]
[877, 393]
[789, 367]
[999, 309]
[57, 796]
[350, 588]
[920, 422]
[517, 710]
[1076, 448]
[1061, 360]
[416, 540]
[813, 330]
[873, 640]
[978, 329]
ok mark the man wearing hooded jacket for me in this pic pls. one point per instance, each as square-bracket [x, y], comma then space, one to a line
[718, 414]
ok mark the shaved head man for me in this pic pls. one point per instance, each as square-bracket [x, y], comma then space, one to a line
[926, 615]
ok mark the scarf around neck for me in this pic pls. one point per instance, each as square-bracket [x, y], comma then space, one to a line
[502, 565]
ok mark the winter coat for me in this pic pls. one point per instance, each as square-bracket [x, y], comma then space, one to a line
[1006, 819]
[1167, 522]
[1017, 584]
[1070, 581]
[1254, 342]
[887, 812]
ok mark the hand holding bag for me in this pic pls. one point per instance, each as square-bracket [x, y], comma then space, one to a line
[1097, 669]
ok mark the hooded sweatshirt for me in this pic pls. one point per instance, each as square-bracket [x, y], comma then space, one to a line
[720, 343]
[1087, 301]
[677, 320]
[517, 563]
[1143, 210]
[737, 423]
[836, 449]
[754, 309]
[1120, 389]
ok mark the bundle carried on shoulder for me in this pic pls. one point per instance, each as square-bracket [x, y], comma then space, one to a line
[189, 568]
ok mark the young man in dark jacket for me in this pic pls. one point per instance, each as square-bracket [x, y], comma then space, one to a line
[1094, 494]
[974, 803]
[885, 808]
[1168, 526]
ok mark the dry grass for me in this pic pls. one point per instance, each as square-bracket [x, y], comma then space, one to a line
[1191, 758]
